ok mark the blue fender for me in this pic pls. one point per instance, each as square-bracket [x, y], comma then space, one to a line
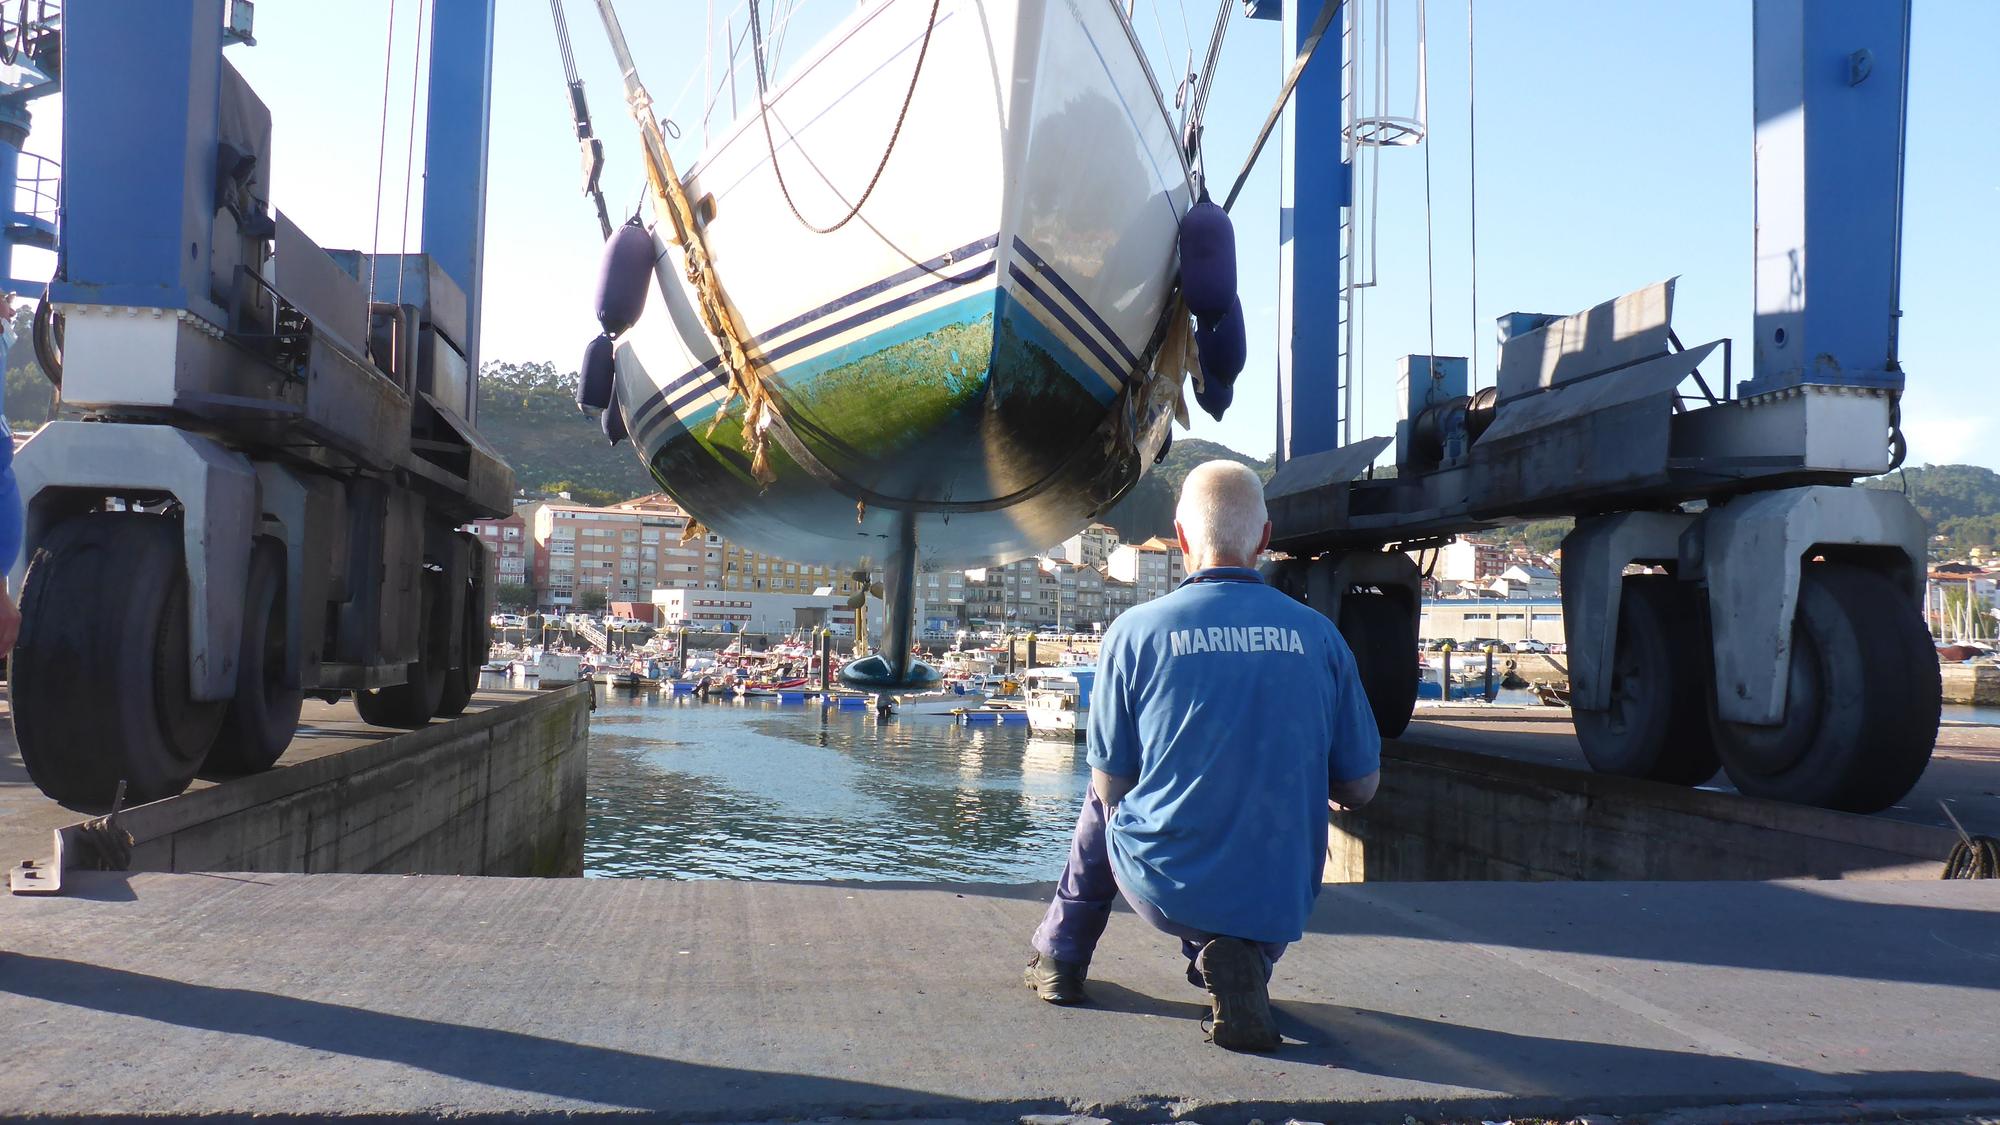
[624, 277]
[613, 422]
[594, 378]
[1208, 261]
[1223, 347]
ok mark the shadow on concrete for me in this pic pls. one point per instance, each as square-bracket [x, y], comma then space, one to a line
[1781, 927]
[504, 1059]
[1396, 1046]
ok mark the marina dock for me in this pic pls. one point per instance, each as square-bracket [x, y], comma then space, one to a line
[530, 1000]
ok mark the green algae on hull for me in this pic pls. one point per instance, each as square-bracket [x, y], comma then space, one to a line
[880, 404]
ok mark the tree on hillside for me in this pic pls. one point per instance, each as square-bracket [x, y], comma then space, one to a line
[512, 595]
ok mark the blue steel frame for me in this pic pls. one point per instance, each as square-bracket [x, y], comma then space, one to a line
[1831, 80]
[137, 214]
[1314, 187]
[1831, 85]
[455, 146]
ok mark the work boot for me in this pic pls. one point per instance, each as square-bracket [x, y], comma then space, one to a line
[1240, 1003]
[1056, 981]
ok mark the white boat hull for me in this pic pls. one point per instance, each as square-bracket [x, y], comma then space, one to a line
[978, 337]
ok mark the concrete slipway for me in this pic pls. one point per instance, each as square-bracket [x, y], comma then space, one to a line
[188, 995]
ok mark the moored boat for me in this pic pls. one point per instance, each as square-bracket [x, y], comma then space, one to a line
[1058, 699]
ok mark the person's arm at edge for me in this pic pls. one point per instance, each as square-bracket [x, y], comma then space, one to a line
[1111, 790]
[1354, 762]
[1112, 742]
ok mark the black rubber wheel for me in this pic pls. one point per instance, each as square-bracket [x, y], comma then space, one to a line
[1383, 639]
[1861, 707]
[265, 713]
[1657, 724]
[411, 704]
[474, 644]
[100, 672]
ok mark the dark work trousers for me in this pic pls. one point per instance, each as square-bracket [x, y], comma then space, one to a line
[1076, 916]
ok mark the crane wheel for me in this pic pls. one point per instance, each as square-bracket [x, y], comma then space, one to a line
[411, 704]
[101, 671]
[265, 713]
[1384, 641]
[1861, 706]
[1656, 726]
[475, 642]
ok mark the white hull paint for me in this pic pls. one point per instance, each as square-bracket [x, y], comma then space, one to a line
[1031, 204]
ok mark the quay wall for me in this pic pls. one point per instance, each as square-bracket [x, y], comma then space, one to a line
[1977, 684]
[494, 792]
[1448, 815]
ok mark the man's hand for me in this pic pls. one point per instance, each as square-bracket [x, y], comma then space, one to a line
[10, 621]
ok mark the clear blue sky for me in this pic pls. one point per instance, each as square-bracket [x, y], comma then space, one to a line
[1614, 150]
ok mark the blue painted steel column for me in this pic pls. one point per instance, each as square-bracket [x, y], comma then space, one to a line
[1831, 90]
[139, 135]
[14, 122]
[461, 95]
[1314, 186]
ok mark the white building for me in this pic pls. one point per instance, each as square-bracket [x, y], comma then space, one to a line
[1521, 581]
[746, 611]
[1153, 568]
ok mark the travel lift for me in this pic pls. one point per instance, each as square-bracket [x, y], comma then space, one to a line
[262, 497]
[1777, 629]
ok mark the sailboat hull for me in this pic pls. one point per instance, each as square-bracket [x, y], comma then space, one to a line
[975, 344]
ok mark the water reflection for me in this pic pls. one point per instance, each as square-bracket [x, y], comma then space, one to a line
[681, 789]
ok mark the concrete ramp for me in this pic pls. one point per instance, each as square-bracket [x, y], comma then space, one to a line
[360, 995]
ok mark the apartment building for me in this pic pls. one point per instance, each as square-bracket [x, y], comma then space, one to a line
[509, 550]
[623, 551]
[1090, 547]
[739, 568]
[1154, 568]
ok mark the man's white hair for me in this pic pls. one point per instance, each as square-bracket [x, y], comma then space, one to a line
[1221, 510]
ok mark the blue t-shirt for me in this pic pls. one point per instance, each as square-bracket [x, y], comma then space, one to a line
[1235, 707]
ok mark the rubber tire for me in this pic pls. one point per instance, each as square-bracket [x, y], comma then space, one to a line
[474, 646]
[100, 672]
[265, 713]
[410, 704]
[1657, 725]
[1379, 632]
[1862, 705]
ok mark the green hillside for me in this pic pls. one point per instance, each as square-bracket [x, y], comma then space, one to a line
[528, 411]
[1961, 502]
[1148, 509]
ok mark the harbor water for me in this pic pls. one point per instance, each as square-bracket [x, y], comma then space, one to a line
[749, 790]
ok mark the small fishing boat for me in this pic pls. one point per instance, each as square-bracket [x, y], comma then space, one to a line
[1058, 699]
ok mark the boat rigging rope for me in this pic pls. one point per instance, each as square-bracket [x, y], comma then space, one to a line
[1472, 185]
[1291, 83]
[1423, 114]
[770, 145]
[381, 149]
[410, 150]
[580, 118]
[1973, 857]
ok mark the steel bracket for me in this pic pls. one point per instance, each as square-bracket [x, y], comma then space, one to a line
[69, 465]
[1748, 554]
[1594, 557]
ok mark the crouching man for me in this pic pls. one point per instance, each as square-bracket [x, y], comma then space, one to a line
[1226, 715]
